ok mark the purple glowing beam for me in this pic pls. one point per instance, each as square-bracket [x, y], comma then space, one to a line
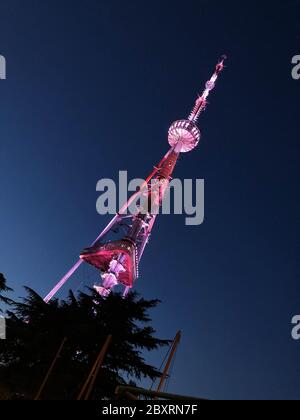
[63, 281]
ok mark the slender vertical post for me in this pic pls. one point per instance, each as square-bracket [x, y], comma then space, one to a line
[90, 382]
[50, 370]
[170, 359]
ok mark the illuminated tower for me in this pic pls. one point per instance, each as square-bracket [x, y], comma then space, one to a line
[118, 250]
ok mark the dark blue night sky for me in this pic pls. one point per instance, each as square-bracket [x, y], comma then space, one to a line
[92, 88]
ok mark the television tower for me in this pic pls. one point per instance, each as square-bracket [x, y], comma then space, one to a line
[118, 250]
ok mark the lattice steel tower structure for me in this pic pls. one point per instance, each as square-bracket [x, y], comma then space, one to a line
[118, 250]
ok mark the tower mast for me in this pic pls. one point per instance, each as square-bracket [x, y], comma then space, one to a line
[118, 259]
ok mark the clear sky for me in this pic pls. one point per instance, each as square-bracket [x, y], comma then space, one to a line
[92, 87]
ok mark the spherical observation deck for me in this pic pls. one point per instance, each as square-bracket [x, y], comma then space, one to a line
[184, 135]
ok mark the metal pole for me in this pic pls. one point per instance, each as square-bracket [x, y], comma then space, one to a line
[86, 384]
[99, 366]
[170, 359]
[89, 383]
[50, 370]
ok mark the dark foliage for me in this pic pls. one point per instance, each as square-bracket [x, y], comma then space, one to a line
[3, 286]
[36, 330]
[3, 289]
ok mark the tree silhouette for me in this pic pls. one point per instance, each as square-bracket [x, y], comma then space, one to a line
[35, 330]
[3, 288]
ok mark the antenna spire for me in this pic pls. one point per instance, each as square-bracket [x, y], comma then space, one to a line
[201, 102]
